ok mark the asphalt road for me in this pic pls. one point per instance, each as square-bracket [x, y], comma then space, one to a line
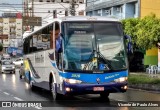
[14, 89]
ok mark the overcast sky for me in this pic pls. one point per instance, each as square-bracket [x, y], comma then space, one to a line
[11, 1]
[10, 7]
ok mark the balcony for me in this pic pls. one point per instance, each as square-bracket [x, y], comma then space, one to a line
[12, 25]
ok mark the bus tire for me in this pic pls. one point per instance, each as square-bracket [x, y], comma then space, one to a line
[53, 89]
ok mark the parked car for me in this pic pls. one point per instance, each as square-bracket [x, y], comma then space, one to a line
[18, 62]
[7, 67]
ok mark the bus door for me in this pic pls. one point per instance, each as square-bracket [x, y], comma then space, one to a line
[57, 42]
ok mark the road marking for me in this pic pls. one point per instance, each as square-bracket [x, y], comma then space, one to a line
[38, 108]
[18, 99]
[6, 93]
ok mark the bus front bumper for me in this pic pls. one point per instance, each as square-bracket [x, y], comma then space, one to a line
[94, 88]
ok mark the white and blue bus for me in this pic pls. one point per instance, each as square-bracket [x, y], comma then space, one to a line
[92, 59]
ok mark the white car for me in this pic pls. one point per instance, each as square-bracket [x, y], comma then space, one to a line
[18, 62]
[7, 66]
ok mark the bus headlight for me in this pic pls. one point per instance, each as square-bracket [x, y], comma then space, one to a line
[122, 79]
[72, 81]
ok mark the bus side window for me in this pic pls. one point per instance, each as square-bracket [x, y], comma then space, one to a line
[26, 45]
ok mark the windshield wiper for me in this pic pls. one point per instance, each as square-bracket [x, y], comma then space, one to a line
[98, 56]
[89, 60]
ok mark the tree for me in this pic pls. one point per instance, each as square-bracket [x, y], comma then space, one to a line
[1, 47]
[145, 32]
[129, 26]
[148, 34]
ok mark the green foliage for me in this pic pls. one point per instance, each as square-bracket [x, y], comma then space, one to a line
[145, 32]
[129, 26]
[1, 47]
[142, 79]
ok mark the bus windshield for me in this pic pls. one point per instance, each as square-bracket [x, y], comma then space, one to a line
[92, 46]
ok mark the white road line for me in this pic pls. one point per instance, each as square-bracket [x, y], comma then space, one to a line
[18, 99]
[6, 93]
[38, 108]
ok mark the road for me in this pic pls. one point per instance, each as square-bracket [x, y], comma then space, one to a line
[14, 89]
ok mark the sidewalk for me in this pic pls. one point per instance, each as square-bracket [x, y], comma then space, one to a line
[148, 87]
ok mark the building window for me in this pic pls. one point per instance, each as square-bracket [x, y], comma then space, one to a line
[107, 11]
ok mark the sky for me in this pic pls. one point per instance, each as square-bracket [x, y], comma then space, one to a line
[11, 1]
[8, 7]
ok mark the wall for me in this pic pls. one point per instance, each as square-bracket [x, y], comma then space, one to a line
[151, 57]
[148, 6]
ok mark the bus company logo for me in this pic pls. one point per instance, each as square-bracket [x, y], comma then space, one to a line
[98, 80]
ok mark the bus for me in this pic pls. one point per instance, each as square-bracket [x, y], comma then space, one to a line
[92, 60]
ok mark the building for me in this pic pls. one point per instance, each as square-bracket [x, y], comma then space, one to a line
[123, 9]
[120, 9]
[10, 29]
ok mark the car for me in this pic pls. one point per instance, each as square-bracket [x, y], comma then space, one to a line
[5, 58]
[18, 62]
[7, 67]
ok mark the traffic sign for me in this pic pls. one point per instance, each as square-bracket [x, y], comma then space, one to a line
[32, 21]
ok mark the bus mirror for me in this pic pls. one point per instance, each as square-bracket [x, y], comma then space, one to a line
[130, 47]
[129, 44]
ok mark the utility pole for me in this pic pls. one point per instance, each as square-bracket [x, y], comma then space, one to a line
[32, 8]
[72, 8]
[32, 13]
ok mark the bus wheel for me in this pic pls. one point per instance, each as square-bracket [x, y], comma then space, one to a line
[53, 89]
[104, 95]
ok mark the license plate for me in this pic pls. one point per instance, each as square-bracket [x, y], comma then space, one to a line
[98, 88]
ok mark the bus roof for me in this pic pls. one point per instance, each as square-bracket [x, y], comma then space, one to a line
[75, 18]
[88, 18]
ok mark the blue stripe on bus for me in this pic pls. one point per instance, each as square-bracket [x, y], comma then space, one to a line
[27, 76]
[54, 64]
[91, 77]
